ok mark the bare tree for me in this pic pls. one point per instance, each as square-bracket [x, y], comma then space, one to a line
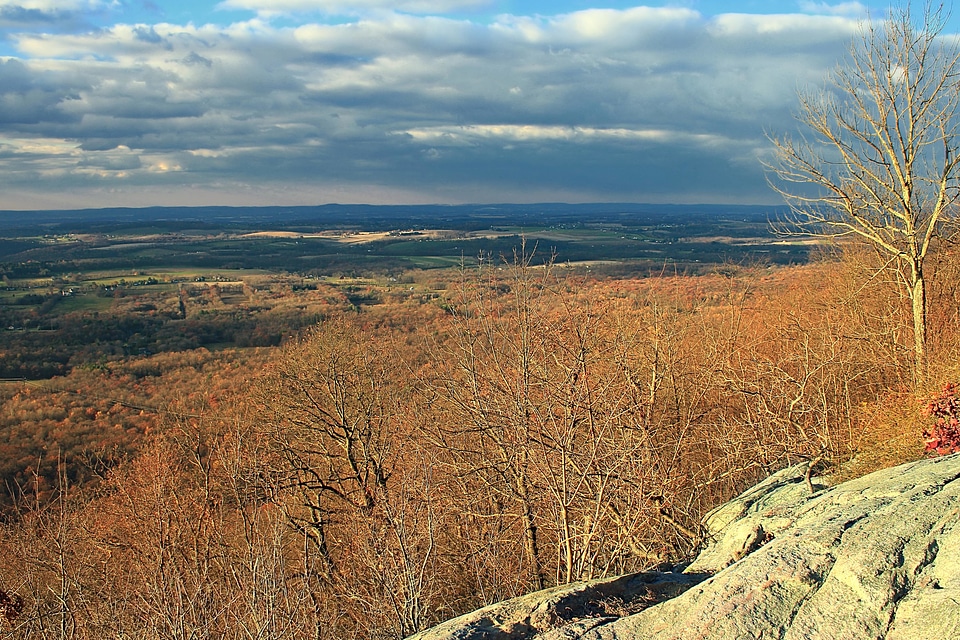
[351, 481]
[879, 157]
[493, 388]
[553, 421]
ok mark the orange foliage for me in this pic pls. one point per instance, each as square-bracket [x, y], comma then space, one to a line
[440, 449]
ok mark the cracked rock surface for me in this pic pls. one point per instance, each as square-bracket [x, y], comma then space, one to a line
[877, 557]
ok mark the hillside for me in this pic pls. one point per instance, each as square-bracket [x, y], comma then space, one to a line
[433, 442]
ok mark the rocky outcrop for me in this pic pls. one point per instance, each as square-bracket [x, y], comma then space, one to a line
[875, 557]
[568, 609]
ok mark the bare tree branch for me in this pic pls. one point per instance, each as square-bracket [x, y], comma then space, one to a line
[879, 159]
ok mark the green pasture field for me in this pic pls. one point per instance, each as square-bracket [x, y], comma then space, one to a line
[10, 297]
[83, 303]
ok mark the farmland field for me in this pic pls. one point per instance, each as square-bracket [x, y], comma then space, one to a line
[79, 287]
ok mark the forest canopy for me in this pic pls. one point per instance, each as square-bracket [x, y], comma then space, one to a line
[506, 426]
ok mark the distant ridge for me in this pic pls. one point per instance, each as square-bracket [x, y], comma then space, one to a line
[384, 217]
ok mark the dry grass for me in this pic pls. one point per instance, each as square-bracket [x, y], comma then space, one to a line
[890, 434]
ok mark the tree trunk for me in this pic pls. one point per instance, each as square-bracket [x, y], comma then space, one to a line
[918, 299]
[531, 545]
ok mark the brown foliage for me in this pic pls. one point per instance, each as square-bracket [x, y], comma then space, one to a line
[408, 463]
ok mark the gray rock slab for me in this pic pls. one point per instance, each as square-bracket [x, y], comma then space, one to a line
[564, 612]
[857, 561]
[874, 558]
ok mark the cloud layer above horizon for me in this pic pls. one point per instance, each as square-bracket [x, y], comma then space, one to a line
[411, 101]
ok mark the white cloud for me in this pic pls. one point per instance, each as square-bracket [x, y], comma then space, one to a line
[639, 25]
[798, 27]
[354, 7]
[163, 164]
[41, 147]
[578, 135]
[848, 9]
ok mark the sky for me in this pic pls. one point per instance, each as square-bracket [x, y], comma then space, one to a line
[300, 102]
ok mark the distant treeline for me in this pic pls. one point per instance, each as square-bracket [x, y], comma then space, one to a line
[383, 217]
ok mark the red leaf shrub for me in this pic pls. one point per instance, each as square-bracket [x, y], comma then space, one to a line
[11, 606]
[944, 436]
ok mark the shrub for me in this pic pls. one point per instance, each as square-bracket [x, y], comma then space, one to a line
[11, 606]
[944, 436]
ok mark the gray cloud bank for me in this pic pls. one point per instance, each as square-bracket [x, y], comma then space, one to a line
[655, 105]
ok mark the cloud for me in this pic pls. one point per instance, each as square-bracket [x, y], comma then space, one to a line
[116, 161]
[638, 104]
[55, 6]
[466, 135]
[848, 9]
[354, 7]
[53, 15]
[29, 99]
[644, 26]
